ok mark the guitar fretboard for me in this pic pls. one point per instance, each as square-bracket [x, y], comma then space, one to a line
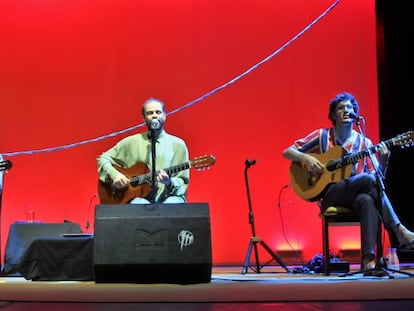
[353, 158]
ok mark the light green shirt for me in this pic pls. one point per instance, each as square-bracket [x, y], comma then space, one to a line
[170, 151]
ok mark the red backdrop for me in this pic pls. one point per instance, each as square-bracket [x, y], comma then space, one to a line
[72, 71]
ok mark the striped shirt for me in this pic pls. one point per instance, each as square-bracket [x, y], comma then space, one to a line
[320, 140]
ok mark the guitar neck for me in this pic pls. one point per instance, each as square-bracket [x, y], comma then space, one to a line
[355, 157]
[177, 168]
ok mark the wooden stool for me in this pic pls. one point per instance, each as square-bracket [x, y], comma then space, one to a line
[334, 216]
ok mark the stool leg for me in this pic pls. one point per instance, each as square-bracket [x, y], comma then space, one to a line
[325, 245]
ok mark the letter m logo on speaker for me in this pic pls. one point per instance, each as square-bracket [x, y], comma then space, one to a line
[148, 239]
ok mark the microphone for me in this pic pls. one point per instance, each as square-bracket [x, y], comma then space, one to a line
[155, 124]
[354, 116]
[250, 162]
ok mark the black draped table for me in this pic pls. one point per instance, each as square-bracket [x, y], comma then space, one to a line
[49, 251]
[58, 259]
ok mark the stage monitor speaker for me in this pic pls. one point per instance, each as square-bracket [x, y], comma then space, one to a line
[152, 243]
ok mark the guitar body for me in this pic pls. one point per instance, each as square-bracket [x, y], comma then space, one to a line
[308, 186]
[108, 194]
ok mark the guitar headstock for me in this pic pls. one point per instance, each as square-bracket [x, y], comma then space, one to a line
[5, 165]
[404, 140]
[203, 162]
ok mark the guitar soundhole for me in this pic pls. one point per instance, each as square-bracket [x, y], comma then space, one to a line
[136, 181]
[332, 165]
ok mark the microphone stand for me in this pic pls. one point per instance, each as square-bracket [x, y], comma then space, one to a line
[255, 239]
[380, 261]
[154, 135]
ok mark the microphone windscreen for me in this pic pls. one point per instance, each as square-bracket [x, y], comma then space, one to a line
[155, 124]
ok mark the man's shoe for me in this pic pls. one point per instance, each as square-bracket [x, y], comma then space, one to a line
[405, 236]
[369, 267]
[368, 263]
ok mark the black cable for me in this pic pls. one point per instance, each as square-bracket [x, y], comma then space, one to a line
[279, 204]
[88, 223]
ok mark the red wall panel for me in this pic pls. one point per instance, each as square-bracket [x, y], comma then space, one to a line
[73, 71]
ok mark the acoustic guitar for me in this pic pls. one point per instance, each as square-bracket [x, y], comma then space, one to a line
[140, 180]
[337, 165]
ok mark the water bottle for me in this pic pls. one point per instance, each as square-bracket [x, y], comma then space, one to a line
[30, 216]
[392, 259]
